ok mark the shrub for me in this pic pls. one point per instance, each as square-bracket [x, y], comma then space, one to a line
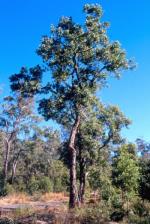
[41, 185]
[20, 185]
[117, 215]
[6, 220]
[93, 214]
[23, 212]
[45, 185]
[141, 208]
[9, 189]
[2, 185]
[59, 175]
[138, 220]
[33, 186]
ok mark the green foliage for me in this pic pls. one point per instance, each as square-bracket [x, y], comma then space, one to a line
[80, 58]
[9, 189]
[60, 176]
[140, 212]
[2, 184]
[55, 179]
[141, 208]
[42, 185]
[126, 171]
[116, 200]
[45, 185]
[27, 81]
[6, 220]
[99, 178]
[137, 220]
[144, 188]
[33, 186]
[91, 215]
[22, 212]
[117, 215]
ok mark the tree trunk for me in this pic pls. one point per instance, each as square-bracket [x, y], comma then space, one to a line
[14, 166]
[73, 182]
[82, 184]
[13, 172]
[6, 160]
[82, 177]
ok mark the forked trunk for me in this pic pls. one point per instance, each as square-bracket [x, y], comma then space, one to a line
[73, 201]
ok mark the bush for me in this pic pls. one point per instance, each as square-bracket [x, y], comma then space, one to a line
[93, 214]
[89, 215]
[138, 220]
[20, 185]
[116, 200]
[9, 189]
[59, 175]
[23, 212]
[6, 221]
[117, 215]
[2, 185]
[45, 185]
[58, 187]
[33, 186]
[141, 208]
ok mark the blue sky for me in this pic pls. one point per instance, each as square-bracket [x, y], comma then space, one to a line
[23, 22]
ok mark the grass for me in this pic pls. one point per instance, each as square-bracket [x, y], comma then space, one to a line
[22, 212]
[90, 213]
[54, 197]
[22, 198]
[15, 198]
[30, 212]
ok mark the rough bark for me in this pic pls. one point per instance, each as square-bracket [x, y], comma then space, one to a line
[73, 201]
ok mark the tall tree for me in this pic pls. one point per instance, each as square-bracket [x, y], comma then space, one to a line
[80, 58]
[16, 119]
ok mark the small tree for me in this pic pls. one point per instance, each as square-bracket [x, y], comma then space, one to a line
[126, 172]
[100, 130]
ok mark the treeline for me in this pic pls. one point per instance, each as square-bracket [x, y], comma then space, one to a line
[29, 152]
[90, 154]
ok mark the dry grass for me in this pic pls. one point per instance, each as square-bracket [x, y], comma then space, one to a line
[53, 197]
[22, 198]
[16, 198]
